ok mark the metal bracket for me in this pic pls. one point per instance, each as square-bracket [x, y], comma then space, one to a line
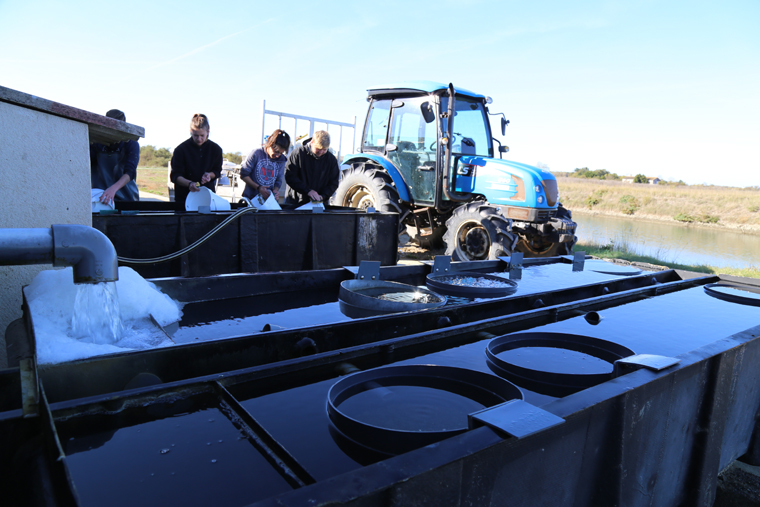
[441, 264]
[515, 263]
[370, 209]
[368, 270]
[516, 418]
[579, 259]
[648, 361]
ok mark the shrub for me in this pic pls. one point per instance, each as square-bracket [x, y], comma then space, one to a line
[709, 219]
[682, 217]
[640, 178]
[629, 204]
[595, 198]
[753, 208]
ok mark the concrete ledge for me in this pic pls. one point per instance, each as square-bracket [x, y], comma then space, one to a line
[101, 128]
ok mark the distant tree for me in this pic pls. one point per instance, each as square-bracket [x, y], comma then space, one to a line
[640, 178]
[599, 174]
[152, 157]
[235, 158]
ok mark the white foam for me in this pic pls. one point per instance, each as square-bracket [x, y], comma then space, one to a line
[51, 298]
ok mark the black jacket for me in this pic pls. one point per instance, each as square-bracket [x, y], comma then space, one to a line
[192, 161]
[305, 172]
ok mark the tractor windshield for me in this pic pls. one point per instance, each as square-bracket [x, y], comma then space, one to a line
[471, 135]
[376, 128]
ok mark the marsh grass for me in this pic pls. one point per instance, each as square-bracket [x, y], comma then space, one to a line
[725, 206]
[621, 250]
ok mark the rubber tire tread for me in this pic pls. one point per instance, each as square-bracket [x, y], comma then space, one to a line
[374, 178]
[498, 227]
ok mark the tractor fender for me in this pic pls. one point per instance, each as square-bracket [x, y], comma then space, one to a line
[393, 172]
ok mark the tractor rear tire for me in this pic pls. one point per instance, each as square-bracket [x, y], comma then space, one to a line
[366, 185]
[478, 231]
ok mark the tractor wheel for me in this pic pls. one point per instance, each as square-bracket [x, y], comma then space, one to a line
[478, 231]
[363, 185]
[539, 247]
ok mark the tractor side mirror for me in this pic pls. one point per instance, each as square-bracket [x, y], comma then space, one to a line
[428, 112]
[504, 123]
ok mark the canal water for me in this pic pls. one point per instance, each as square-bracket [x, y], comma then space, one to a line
[692, 246]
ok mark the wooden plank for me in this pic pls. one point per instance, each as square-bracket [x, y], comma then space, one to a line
[101, 128]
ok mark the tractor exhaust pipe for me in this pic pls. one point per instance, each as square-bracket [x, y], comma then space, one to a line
[88, 250]
[444, 184]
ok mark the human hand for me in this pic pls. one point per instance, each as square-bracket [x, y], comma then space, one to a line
[194, 187]
[276, 194]
[108, 196]
[264, 192]
[206, 178]
[314, 196]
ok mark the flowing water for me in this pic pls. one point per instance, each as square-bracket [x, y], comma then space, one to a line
[97, 317]
[692, 246]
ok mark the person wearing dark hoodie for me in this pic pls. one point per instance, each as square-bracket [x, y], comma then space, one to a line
[113, 167]
[312, 172]
[196, 162]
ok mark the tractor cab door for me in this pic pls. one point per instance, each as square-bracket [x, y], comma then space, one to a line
[471, 136]
[413, 144]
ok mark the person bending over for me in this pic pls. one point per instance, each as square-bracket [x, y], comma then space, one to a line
[113, 167]
[264, 168]
[312, 172]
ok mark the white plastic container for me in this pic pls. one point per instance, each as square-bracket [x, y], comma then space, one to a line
[205, 197]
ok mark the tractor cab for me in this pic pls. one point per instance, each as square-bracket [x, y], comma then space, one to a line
[408, 127]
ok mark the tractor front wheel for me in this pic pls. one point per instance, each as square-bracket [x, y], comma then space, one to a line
[364, 185]
[478, 231]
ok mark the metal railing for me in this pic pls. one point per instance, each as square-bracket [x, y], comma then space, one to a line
[312, 121]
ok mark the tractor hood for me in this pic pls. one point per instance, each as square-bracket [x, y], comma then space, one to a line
[506, 182]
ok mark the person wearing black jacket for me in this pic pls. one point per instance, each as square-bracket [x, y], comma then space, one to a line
[312, 172]
[196, 162]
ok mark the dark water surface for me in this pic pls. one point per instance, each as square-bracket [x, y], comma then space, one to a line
[693, 246]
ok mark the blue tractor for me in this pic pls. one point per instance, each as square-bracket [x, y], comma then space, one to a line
[427, 153]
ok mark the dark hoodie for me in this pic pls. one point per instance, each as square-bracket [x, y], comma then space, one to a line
[305, 172]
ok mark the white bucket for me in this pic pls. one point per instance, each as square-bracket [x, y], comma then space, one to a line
[206, 197]
[98, 206]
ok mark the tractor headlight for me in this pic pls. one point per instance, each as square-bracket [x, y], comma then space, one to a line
[537, 188]
[540, 199]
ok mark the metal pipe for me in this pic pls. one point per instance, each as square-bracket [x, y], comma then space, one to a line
[87, 250]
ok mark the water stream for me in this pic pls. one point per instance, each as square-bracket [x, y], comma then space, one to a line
[97, 316]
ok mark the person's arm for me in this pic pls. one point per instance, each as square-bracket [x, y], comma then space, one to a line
[216, 165]
[294, 173]
[109, 194]
[179, 172]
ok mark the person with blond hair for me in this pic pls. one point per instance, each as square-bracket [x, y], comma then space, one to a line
[263, 168]
[196, 162]
[312, 172]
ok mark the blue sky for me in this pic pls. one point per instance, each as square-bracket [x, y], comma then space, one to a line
[665, 88]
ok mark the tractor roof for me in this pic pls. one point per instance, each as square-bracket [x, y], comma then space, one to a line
[417, 87]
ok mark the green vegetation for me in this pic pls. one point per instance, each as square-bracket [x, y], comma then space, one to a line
[629, 204]
[595, 198]
[599, 174]
[235, 158]
[614, 250]
[640, 178]
[689, 205]
[152, 157]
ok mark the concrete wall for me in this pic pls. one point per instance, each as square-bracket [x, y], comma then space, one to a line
[45, 180]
